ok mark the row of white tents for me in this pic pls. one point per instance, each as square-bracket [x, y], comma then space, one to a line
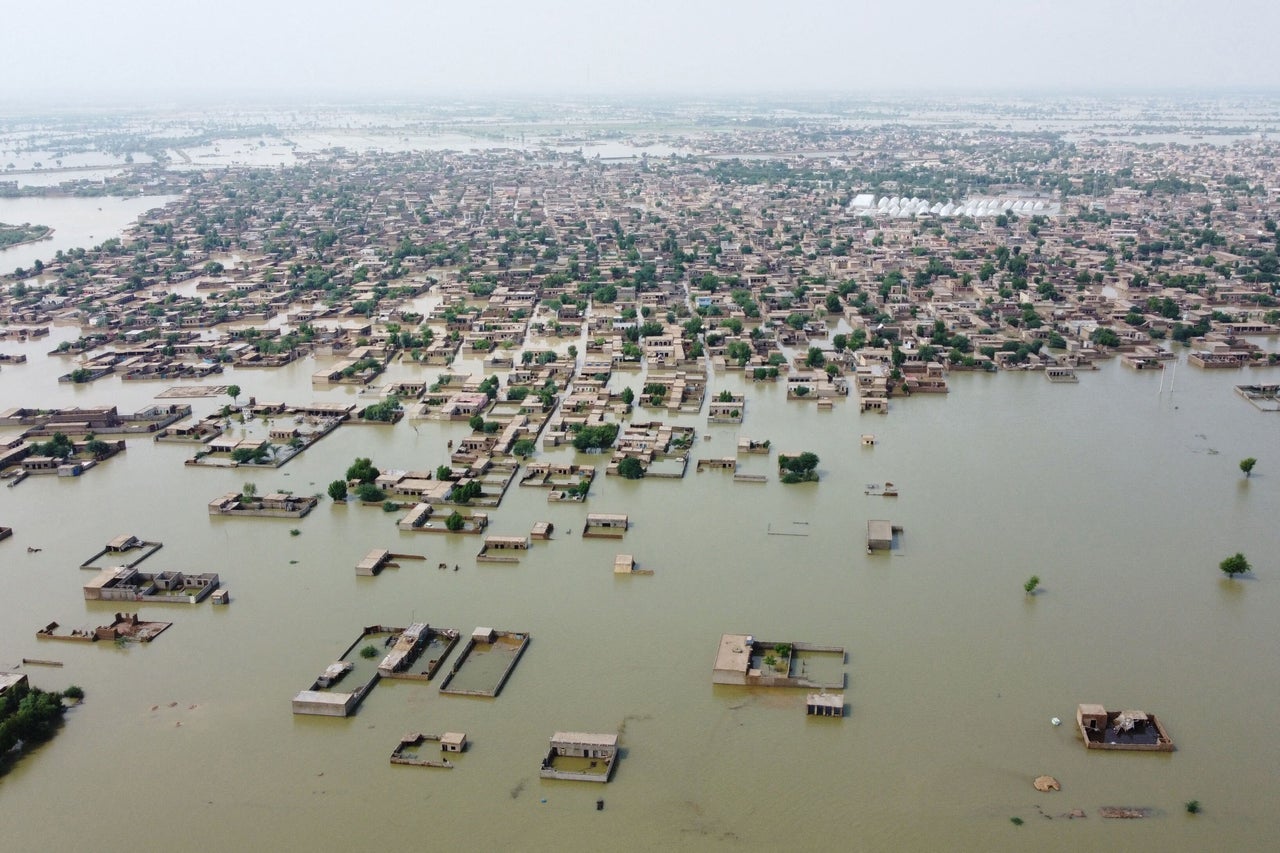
[901, 207]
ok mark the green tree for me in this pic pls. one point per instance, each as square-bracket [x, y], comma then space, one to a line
[630, 468]
[384, 412]
[1246, 465]
[455, 521]
[476, 422]
[29, 715]
[804, 462]
[233, 391]
[249, 490]
[362, 469]
[600, 437]
[798, 469]
[96, 447]
[369, 493]
[628, 396]
[815, 358]
[338, 490]
[252, 455]
[1234, 565]
[1030, 586]
[444, 472]
[524, 447]
[1105, 337]
[58, 446]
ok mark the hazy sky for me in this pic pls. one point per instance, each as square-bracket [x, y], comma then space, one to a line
[123, 50]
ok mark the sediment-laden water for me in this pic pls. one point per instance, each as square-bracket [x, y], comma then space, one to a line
[1121, 499]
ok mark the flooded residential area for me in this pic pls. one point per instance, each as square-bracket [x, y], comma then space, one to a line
[766, 451]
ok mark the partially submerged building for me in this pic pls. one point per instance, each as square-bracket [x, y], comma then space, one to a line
[123, 583]
[580, 757]
[373, 562]
[502, 549]
[123, 550]
[743, 660]
[412, 644]
[824, 704]
[604, 524]
[415, 749]
[14, 683]
[273, 505]
[492, 656]
[1134, 730]
[125, 627]
[354, 671]
[882, 535]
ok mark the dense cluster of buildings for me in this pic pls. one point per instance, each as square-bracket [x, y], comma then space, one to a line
[1016, 251]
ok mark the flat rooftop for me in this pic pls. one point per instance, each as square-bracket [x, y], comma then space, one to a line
[9, 679]
[585, 738]
[734, 654]
[322, 697]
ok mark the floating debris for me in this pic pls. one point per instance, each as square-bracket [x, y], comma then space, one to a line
[1046, 783]
[1123, 812]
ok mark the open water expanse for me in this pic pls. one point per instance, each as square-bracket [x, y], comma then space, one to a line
[76, 222]
[1121, 499]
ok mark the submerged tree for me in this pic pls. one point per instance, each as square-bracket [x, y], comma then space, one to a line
[631, 468]
[1246, 465]
[363, 470]
[1234, 565]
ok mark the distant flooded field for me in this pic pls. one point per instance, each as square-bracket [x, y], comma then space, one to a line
[77, 223]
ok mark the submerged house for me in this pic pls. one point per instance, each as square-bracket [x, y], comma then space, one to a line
[580, 757]
[744, 660]
[1136, 730]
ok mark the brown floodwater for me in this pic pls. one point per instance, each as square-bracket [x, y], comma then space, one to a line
[1121, 499]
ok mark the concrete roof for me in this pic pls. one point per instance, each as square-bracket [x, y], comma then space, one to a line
[880, 530]
[9, 679]
[321, 697]
[588, 738]
[734, 654]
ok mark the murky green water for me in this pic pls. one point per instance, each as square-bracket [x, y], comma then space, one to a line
[1123, 502]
